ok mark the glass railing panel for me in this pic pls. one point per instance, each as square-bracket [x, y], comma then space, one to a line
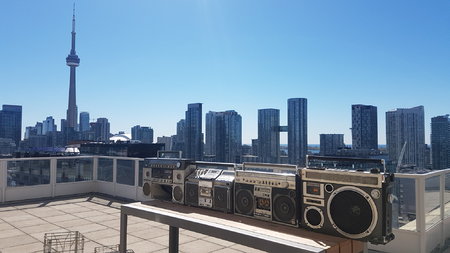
[447, 196]
[141, 171]
[28, 172]
[125, 172]
[105, 169]
[404, 205]
[74, 170]
[432, 201]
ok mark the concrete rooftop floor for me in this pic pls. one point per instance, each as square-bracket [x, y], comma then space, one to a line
[24, 224]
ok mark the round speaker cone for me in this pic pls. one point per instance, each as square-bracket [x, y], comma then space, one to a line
[177, 193]
[351, 212]
[313, 217]
[146, 189]
[244, 202]
[284, 208]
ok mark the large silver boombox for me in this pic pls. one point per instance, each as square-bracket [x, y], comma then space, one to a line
[346, 203]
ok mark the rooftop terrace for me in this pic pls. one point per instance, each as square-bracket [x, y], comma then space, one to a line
[24, 224]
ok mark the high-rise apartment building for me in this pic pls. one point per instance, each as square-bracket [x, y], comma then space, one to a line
[331, 143]
[11, 123]
[364, 127]
[193, 140]
[255, 147]
[48, 125]
[84, 122]
[223, 136]
[440, 142]
[297, 130]
[178, 139]
[268, 135]
[72, 61]
[406, 126]
[101, 129]
[167, 141]
[142, 134]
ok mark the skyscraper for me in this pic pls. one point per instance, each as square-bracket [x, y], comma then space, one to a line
[167, 141]
[268, 135]
[440, 142]
[364, 127]
[406, 126]
[331, 143]
[224, 136]
[178, 140]
[48, 125]
[297, 130]
[84, 121]
[102, 130]
[11, 123]
[72, 61]
[193, 140]
[143, 134]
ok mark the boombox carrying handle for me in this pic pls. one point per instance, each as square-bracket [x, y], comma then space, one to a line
[345, 159]
[218, 164]
[281, 167]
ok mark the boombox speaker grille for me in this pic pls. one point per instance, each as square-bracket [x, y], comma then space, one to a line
[220, 198]
[352, 212]
[192, 194]
[244, 202]
[284, 209]
[146, 189]
[178, 193]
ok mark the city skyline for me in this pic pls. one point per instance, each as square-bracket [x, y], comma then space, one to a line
[139, 59]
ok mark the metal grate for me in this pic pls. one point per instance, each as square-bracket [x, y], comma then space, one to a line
[110, 249]
[70, 242]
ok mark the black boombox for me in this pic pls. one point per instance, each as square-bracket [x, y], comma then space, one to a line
[267, 195]
[346, 203]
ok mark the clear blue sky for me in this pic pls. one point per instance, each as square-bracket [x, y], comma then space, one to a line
[142, 62]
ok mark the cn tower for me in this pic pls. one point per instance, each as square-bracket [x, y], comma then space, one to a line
[72, 61]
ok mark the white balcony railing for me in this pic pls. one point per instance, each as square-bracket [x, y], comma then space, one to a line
[421, 210]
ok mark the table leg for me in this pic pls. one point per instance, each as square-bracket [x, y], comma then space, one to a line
[173, 239]
[123, 233]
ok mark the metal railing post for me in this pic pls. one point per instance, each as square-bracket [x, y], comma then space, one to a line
[3, 178]
[53, 165]
[115, 175]
[442, 207]
[420, 212]
[136, 178]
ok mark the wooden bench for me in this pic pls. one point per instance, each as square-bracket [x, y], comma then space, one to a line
[262, 235]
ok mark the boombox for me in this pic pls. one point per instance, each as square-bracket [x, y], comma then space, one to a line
[199, 187]
[267, 196]
[351, 204]
[164, 178]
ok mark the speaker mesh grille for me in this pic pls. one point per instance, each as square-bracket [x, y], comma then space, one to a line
[192, 194]
[351, 212]
[244, 202]
[220, 198]
[178, 193]
[284, 209]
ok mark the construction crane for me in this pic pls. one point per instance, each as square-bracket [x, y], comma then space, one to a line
[400, 158]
